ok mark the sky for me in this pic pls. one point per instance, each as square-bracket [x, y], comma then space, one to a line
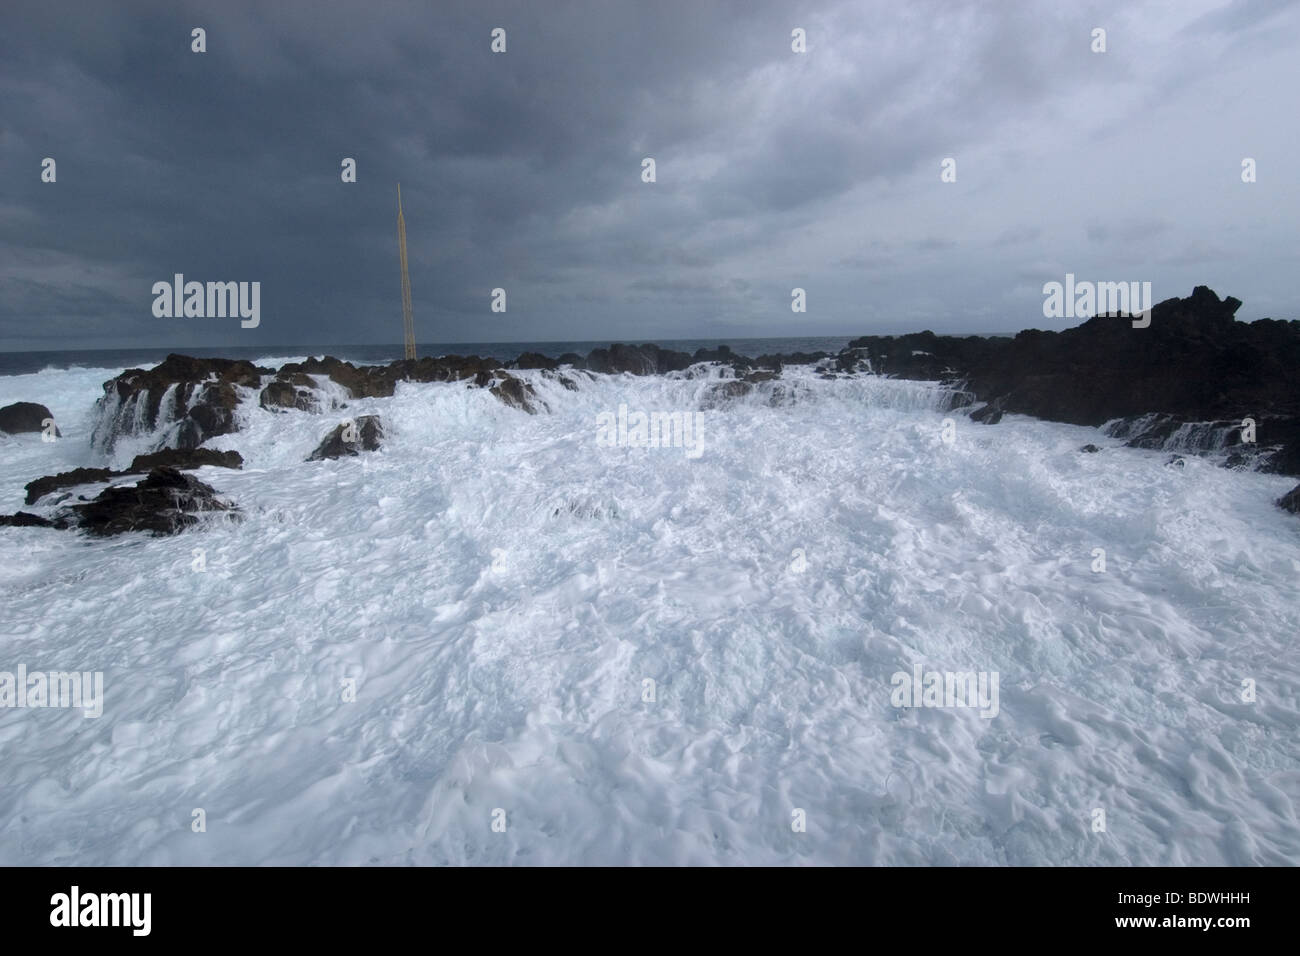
[523, 170]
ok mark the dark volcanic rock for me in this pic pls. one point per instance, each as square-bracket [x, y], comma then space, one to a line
[637, 359]
[990, 414]
[165, 502]
[200, 397]
[1194, 363]
[534, 360]
[1291, 500]
[78, 476]
[21, 417]
[282, 394]
[350, 438]
[24, 519]
[186, 458]
[179, 459]
[515, 393]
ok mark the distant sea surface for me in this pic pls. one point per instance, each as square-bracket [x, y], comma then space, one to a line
[24, 363]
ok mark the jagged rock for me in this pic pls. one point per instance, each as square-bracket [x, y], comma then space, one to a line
[1291, 500]
[282, 394]
[21, 417]
[515, 393]
[25, 519]
[350, 438]
[534, 360]
[1090, 449]
[990, 414]
[200, 393]
[165, 502]
[179, 459]
[1175, 461]
[78, 476]
[186, 458]
[753, 378]
[637, 359]
[1194, 363]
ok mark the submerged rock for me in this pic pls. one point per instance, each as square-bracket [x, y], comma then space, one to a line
[350, 438]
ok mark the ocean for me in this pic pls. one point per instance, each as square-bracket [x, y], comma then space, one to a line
[640, 655]
[17, 363]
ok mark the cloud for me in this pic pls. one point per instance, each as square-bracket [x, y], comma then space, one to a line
[522, 170]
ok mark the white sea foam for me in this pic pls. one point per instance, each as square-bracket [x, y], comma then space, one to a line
[500, 588]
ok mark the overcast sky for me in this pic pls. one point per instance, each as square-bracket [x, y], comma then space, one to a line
[523, 170]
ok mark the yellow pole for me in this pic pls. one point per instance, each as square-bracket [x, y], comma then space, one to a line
[408, 319]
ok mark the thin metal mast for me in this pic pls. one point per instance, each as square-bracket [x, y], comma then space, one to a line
[408, 319]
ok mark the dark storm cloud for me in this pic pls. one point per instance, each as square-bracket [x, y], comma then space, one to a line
[522, 170]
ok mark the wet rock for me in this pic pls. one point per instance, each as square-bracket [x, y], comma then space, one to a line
[989, 415]
[1175, 461]
[1090, 449]
[186, 458]
[25, 519]
[515, 393]
[66, 479]
[1291, 500]
[534, 360]
[23, 417]
[179, 459]
[190, 399]
[350, 438]
[1194, 363]
[165, 502]
[284, 394]
[637, 359]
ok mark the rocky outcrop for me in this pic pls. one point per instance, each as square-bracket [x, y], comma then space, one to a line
[184, 459]
[637, 359]
[165, 502]
[25, 519]
[179, 459]
[188, 400]
[1195, 365]
[350, 438]
[293, 392]
[515, 393]
[41, 487]
[22, 417]
[1291, 501]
